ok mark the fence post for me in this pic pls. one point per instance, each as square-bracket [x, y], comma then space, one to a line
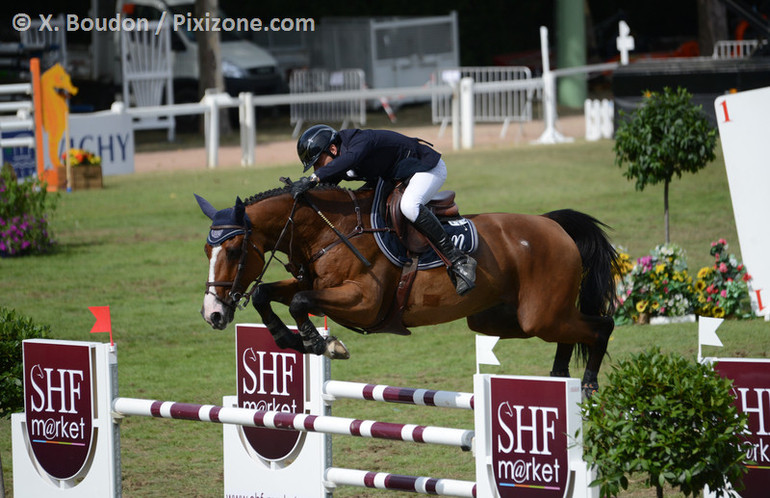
[466, 112]
[211, 125]
[456, 115]
[248, 128]
[550, 135]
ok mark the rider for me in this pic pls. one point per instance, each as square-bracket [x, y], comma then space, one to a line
[370, 154]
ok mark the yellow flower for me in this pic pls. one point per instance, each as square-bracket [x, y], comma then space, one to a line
[700, 285]
[719, 312]
[641, 306]
[659, 268]
[704, 272]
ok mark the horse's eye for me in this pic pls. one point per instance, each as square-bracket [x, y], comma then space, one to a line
[234, 253]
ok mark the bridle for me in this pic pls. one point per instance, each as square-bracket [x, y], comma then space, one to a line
[234, 296]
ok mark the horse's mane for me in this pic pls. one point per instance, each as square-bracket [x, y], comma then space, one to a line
[285, 190]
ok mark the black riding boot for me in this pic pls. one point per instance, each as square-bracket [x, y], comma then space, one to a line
[463, 267]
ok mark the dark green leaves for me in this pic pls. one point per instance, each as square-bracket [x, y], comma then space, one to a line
[668, 418]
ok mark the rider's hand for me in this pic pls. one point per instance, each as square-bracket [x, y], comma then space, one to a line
[303, 185]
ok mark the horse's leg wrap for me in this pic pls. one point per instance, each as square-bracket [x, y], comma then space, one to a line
[283, 337]
[313, 342]
[590, 383]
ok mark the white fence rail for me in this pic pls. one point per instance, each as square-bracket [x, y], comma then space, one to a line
[503, 106]
[15, 115]
[320, 80]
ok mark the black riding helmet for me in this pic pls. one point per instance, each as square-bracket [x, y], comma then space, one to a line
[314, 142]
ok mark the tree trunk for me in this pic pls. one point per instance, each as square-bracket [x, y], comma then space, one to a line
[210, 59]
[712, 25]
[658, 491]
[665, 210]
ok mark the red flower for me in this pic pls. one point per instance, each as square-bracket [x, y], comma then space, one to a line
[723, 268]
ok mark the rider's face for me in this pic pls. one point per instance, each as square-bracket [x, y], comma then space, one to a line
[325, 157]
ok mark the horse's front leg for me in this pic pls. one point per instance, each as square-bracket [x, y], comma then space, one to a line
[348, 297]
[281, 292]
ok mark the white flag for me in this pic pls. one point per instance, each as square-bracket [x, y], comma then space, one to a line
[484, 354]
[707, 335]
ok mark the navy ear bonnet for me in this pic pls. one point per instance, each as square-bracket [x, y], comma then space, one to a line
[225, 223]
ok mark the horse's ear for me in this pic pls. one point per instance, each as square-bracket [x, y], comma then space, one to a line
[206, 206]
[240, 209]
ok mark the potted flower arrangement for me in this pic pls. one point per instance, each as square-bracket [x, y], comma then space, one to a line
[722, 289]
[86, 169]
[659, 289]
[659, 285]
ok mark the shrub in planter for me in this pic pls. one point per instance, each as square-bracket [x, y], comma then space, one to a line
[14, 328]
[667, 418]
[666, 136]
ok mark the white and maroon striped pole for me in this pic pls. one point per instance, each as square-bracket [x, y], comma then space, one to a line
[396, 482]
[294, 421]
[377, 392]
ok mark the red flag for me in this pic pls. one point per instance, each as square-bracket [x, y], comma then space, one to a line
[103, 321]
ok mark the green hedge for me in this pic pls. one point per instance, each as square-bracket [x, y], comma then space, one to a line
[14, 328]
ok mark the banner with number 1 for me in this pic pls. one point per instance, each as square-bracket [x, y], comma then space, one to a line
[744, 127]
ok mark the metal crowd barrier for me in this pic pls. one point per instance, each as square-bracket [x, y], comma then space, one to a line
[320, 80]
[503, 106]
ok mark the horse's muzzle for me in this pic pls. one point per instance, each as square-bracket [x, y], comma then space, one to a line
[217, 319]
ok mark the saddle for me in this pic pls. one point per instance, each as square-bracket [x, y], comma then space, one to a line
[442, 204]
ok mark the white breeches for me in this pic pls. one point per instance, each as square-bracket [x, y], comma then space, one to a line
[421, 189]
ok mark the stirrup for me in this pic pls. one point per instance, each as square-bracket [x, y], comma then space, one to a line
[463, 278]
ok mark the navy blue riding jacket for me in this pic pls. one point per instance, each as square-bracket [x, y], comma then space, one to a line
[371, 154]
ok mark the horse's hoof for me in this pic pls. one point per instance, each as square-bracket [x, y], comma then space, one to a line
[335, 349]
[589, 389]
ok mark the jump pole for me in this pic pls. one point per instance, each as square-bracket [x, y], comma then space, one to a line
[293, 421]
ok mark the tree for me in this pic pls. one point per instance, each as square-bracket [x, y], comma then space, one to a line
[666, 135]
[668, 418]
[210, 58]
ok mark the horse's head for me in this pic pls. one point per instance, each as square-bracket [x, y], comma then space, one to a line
[234, 261]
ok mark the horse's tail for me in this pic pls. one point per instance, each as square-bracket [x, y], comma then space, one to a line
[600, 261]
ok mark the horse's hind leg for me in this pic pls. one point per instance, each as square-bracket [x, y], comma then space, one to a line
[561, 360]
[603, 326]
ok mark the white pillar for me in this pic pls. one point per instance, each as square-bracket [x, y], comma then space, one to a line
[466, 112]
[248, 128]
[550, 135]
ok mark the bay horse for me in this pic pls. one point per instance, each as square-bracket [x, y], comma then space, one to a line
[548, 276]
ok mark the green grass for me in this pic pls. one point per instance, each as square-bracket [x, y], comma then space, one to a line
[137, 246]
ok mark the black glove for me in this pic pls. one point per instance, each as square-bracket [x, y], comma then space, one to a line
[302, 185]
